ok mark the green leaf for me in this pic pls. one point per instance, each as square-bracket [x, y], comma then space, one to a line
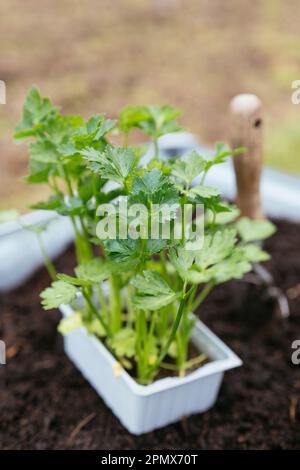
[188, 167]
[44, 151]
[253, 253]
[71, 206]
[153, 291]
[223, 218]
[222, 151]
[182, 260]
[95, 271]
[94, 130]
[131, 117]
[39, 172]
[114, 163]
[217, 246]
[95, 327]
[204, 192]
[53, 203]
[252, 230]
[75, 281]
[59, 293]
[213, 204]
[133, 251]
[231, 268]
[37, 113]
[153, 120]
[123, 343]
[61, 129]
[69, 324]
[153, 188]
[123, 250]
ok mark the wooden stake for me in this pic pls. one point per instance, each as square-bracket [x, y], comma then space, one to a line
[246, 131]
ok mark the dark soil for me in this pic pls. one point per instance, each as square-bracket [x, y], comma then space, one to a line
[46, 404]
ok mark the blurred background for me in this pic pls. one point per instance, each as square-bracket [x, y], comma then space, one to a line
[100, 55]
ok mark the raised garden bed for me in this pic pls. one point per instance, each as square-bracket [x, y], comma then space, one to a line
[47, 404]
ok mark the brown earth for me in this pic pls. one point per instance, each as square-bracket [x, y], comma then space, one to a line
[45, 403]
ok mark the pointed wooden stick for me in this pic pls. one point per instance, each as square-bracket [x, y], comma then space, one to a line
[246, 131]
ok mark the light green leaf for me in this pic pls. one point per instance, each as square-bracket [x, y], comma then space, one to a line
[95, 327]
[182, 260]
[133, 251]
[222, 218]
[253, 253]
[153, 188]
[75, 281]
[44, 151]
[69, 324]
[123, 343]
[114, 163]
[37, 113]
[153, 291]
[231, 268]
[153, 120]
[217, 246]
[203, 191]
[252, 230]
[188, 167]
[59, 293]
[95, 271]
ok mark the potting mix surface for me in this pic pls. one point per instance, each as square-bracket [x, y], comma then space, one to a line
[45, 403]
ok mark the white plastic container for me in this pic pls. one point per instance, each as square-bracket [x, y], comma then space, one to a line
[20, 253]
[143, 408]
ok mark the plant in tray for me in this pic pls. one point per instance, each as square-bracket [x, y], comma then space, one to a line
[134, 290]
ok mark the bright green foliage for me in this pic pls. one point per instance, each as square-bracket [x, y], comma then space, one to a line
[135, 251]
[217, 246]
[69, 324]
[59, 293]
[38, 113]
[205, 192]
[95, 271]
[153, 188]
[113, 163]
[123, 343]
[135, 294]
[188, 167]
[153, 292]
[155, 121]
[252, 230]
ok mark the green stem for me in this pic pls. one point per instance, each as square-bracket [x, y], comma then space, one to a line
[163, 260]
[96, 313]
[125, 143]
[156, 149]
[102, 301]
[175, 327]
[130, 309]
[203, 294]
[150, 334]
[48, 263]
[115, 304]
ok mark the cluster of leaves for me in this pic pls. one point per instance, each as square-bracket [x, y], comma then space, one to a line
[136, 293]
